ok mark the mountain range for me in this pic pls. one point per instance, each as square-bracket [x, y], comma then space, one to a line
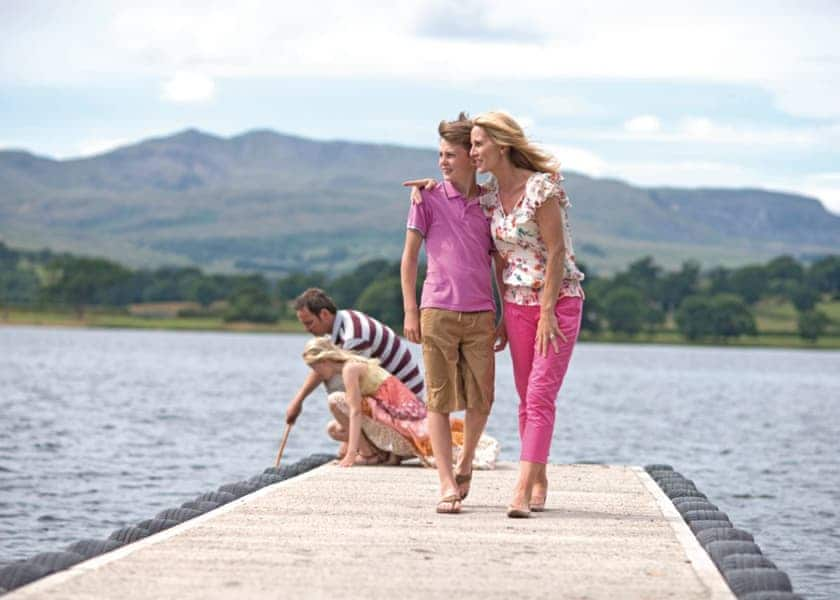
[264, 201]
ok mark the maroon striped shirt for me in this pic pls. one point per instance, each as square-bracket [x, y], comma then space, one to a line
[354, 330]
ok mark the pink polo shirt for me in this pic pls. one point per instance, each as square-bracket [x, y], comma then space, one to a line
[458, 248]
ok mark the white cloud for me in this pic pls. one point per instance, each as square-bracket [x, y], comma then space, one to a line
[186, 87]
[643, 124]
[684, 173]
[577, 159]
[567, 106]
[100, 146]
[825, 187]
[648, 128]
[789, 50]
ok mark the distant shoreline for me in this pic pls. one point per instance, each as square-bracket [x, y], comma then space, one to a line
[102, 320]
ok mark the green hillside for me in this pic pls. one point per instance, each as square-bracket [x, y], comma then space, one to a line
[277, 203]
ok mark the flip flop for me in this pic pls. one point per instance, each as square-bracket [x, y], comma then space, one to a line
[449, 505]
[461, 480]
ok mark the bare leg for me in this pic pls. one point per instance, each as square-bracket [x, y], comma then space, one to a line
[474, 422]
[343, 421]
[339, 434]
[539, 489]
[440, 435]
[528, 472]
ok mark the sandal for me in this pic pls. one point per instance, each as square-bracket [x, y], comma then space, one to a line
[449, 505]
[515, 512]
[377, 458]
[537, 504]
[460, 480]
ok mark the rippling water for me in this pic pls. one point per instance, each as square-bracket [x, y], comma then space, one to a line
[99, 429]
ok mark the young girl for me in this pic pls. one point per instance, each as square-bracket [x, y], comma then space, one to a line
[380, 407]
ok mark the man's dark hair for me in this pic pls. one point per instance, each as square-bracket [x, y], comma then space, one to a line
[315, 300]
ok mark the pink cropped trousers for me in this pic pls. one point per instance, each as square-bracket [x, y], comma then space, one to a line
[538, 378]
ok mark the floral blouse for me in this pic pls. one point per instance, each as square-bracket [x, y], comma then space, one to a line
[517, 238]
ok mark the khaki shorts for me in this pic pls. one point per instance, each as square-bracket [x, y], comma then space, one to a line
[459, 359]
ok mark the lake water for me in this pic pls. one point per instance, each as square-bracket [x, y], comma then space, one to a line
[100, 429]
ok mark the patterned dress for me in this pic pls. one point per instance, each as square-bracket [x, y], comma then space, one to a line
[394, 420]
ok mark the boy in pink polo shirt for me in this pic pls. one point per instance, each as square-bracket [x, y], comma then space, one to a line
[456, 318]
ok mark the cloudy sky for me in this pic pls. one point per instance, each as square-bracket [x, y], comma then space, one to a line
[649, 92]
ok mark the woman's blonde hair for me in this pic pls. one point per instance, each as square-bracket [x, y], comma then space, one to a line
[321, 348]
[506, 132]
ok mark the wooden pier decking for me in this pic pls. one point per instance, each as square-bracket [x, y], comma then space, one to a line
[371, 532]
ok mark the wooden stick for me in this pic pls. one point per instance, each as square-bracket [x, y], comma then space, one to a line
[283, 444]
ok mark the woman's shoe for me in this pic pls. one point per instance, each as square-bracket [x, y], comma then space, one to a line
[460, 480]
[514, 512]
[537, 504]
[377, 458]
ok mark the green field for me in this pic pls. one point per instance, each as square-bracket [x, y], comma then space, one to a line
[104, 319]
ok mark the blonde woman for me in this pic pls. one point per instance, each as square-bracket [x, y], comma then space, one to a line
[543, 297]
[383, 410]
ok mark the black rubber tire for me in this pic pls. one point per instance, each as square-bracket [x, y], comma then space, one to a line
[202, 506]
[238, 489]
[718, 534]
[129, 534]
[705, 515]
[264, 479]
[772, 596]
[679, 491]
[155, 525]
[717, 550]
[20, 573]
[746, 561]
[671, 478]
[314, 461]
[179, 515]
[679, 500]
[684, 493]
[743, 581]
[656, 467]
[57, 561]
[281, 471]
[698, 526]
[91, 548]
[220, 497]
[322, 458]
[684, 507]
[667, 484]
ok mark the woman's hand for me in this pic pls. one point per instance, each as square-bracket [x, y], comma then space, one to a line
[411, 326]
[348, 461]
[416, 185]
[501, 337]
[547, 333]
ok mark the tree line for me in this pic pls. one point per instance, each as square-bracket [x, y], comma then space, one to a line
[717, 304]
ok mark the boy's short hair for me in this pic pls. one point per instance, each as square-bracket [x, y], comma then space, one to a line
[457, 132]
[315, 300]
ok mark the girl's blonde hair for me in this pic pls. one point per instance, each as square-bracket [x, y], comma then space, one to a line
[506, 132]
[321, 348]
